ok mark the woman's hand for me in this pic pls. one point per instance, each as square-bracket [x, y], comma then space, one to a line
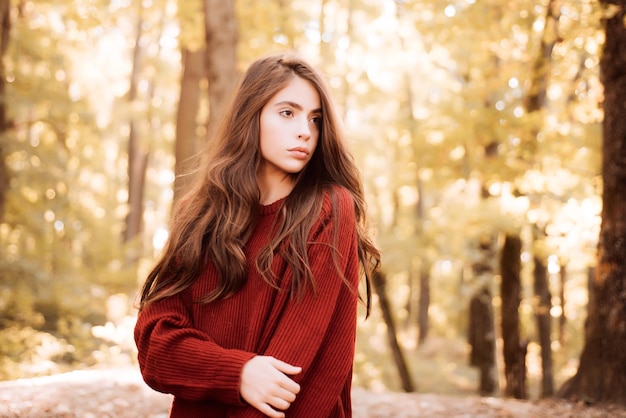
[265, 385]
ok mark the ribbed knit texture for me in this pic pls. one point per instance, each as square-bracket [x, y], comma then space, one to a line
[197, 351]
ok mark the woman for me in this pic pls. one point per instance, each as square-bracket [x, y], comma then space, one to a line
[251, 309]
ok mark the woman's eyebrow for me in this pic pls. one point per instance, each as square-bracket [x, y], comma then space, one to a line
[295, 106]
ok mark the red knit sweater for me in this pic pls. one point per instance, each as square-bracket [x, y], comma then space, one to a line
[197, 351]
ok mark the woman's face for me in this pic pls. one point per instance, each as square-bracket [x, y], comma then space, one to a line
[289, 130]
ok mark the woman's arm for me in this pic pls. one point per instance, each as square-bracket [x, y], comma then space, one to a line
[176, 358]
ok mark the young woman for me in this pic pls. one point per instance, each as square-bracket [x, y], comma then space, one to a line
[251, 309]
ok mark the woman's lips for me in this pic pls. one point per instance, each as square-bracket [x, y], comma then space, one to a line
[299, 152]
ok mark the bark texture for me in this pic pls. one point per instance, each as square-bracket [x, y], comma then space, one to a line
[482, 340]
[601, 375]
[137, 155]
[514, 349]
[481, 326]
[423, 304]
[543, 305]
[188, 143]
[221, 56]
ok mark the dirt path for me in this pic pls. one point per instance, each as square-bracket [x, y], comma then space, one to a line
[122, 394]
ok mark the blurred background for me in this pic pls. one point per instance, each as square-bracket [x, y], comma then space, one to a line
[476, 125]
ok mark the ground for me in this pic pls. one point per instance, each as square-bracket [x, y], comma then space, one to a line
[120, 393]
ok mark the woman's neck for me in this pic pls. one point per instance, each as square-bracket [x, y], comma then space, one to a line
[273, 188]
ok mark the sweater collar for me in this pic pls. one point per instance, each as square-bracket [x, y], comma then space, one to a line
[272, 207]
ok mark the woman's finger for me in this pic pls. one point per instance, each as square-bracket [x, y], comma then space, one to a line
[285, 367]
[279, 403]
[269, 411]
[285, 394]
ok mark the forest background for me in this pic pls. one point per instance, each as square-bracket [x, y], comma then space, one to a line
[476, 125]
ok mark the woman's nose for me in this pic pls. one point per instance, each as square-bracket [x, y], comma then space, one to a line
[304, 130]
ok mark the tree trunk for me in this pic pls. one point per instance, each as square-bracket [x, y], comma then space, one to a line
[562, 303]
[188, 143]
[536, 98]
[601, 375]
[378, 281]
[544, 325]
[137, 157]
[137, 164]
[423, 304]
[5, 31]
[221, 56]
[482, 340]
[514, 349]
[482, 332]
[591, 273]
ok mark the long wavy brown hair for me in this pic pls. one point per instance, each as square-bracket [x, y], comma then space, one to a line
[218, 214]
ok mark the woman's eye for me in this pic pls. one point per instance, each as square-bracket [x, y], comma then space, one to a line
[286, 113]
[317, 120]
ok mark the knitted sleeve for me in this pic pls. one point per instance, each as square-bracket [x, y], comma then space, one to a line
[318, 332]
[176, 358]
